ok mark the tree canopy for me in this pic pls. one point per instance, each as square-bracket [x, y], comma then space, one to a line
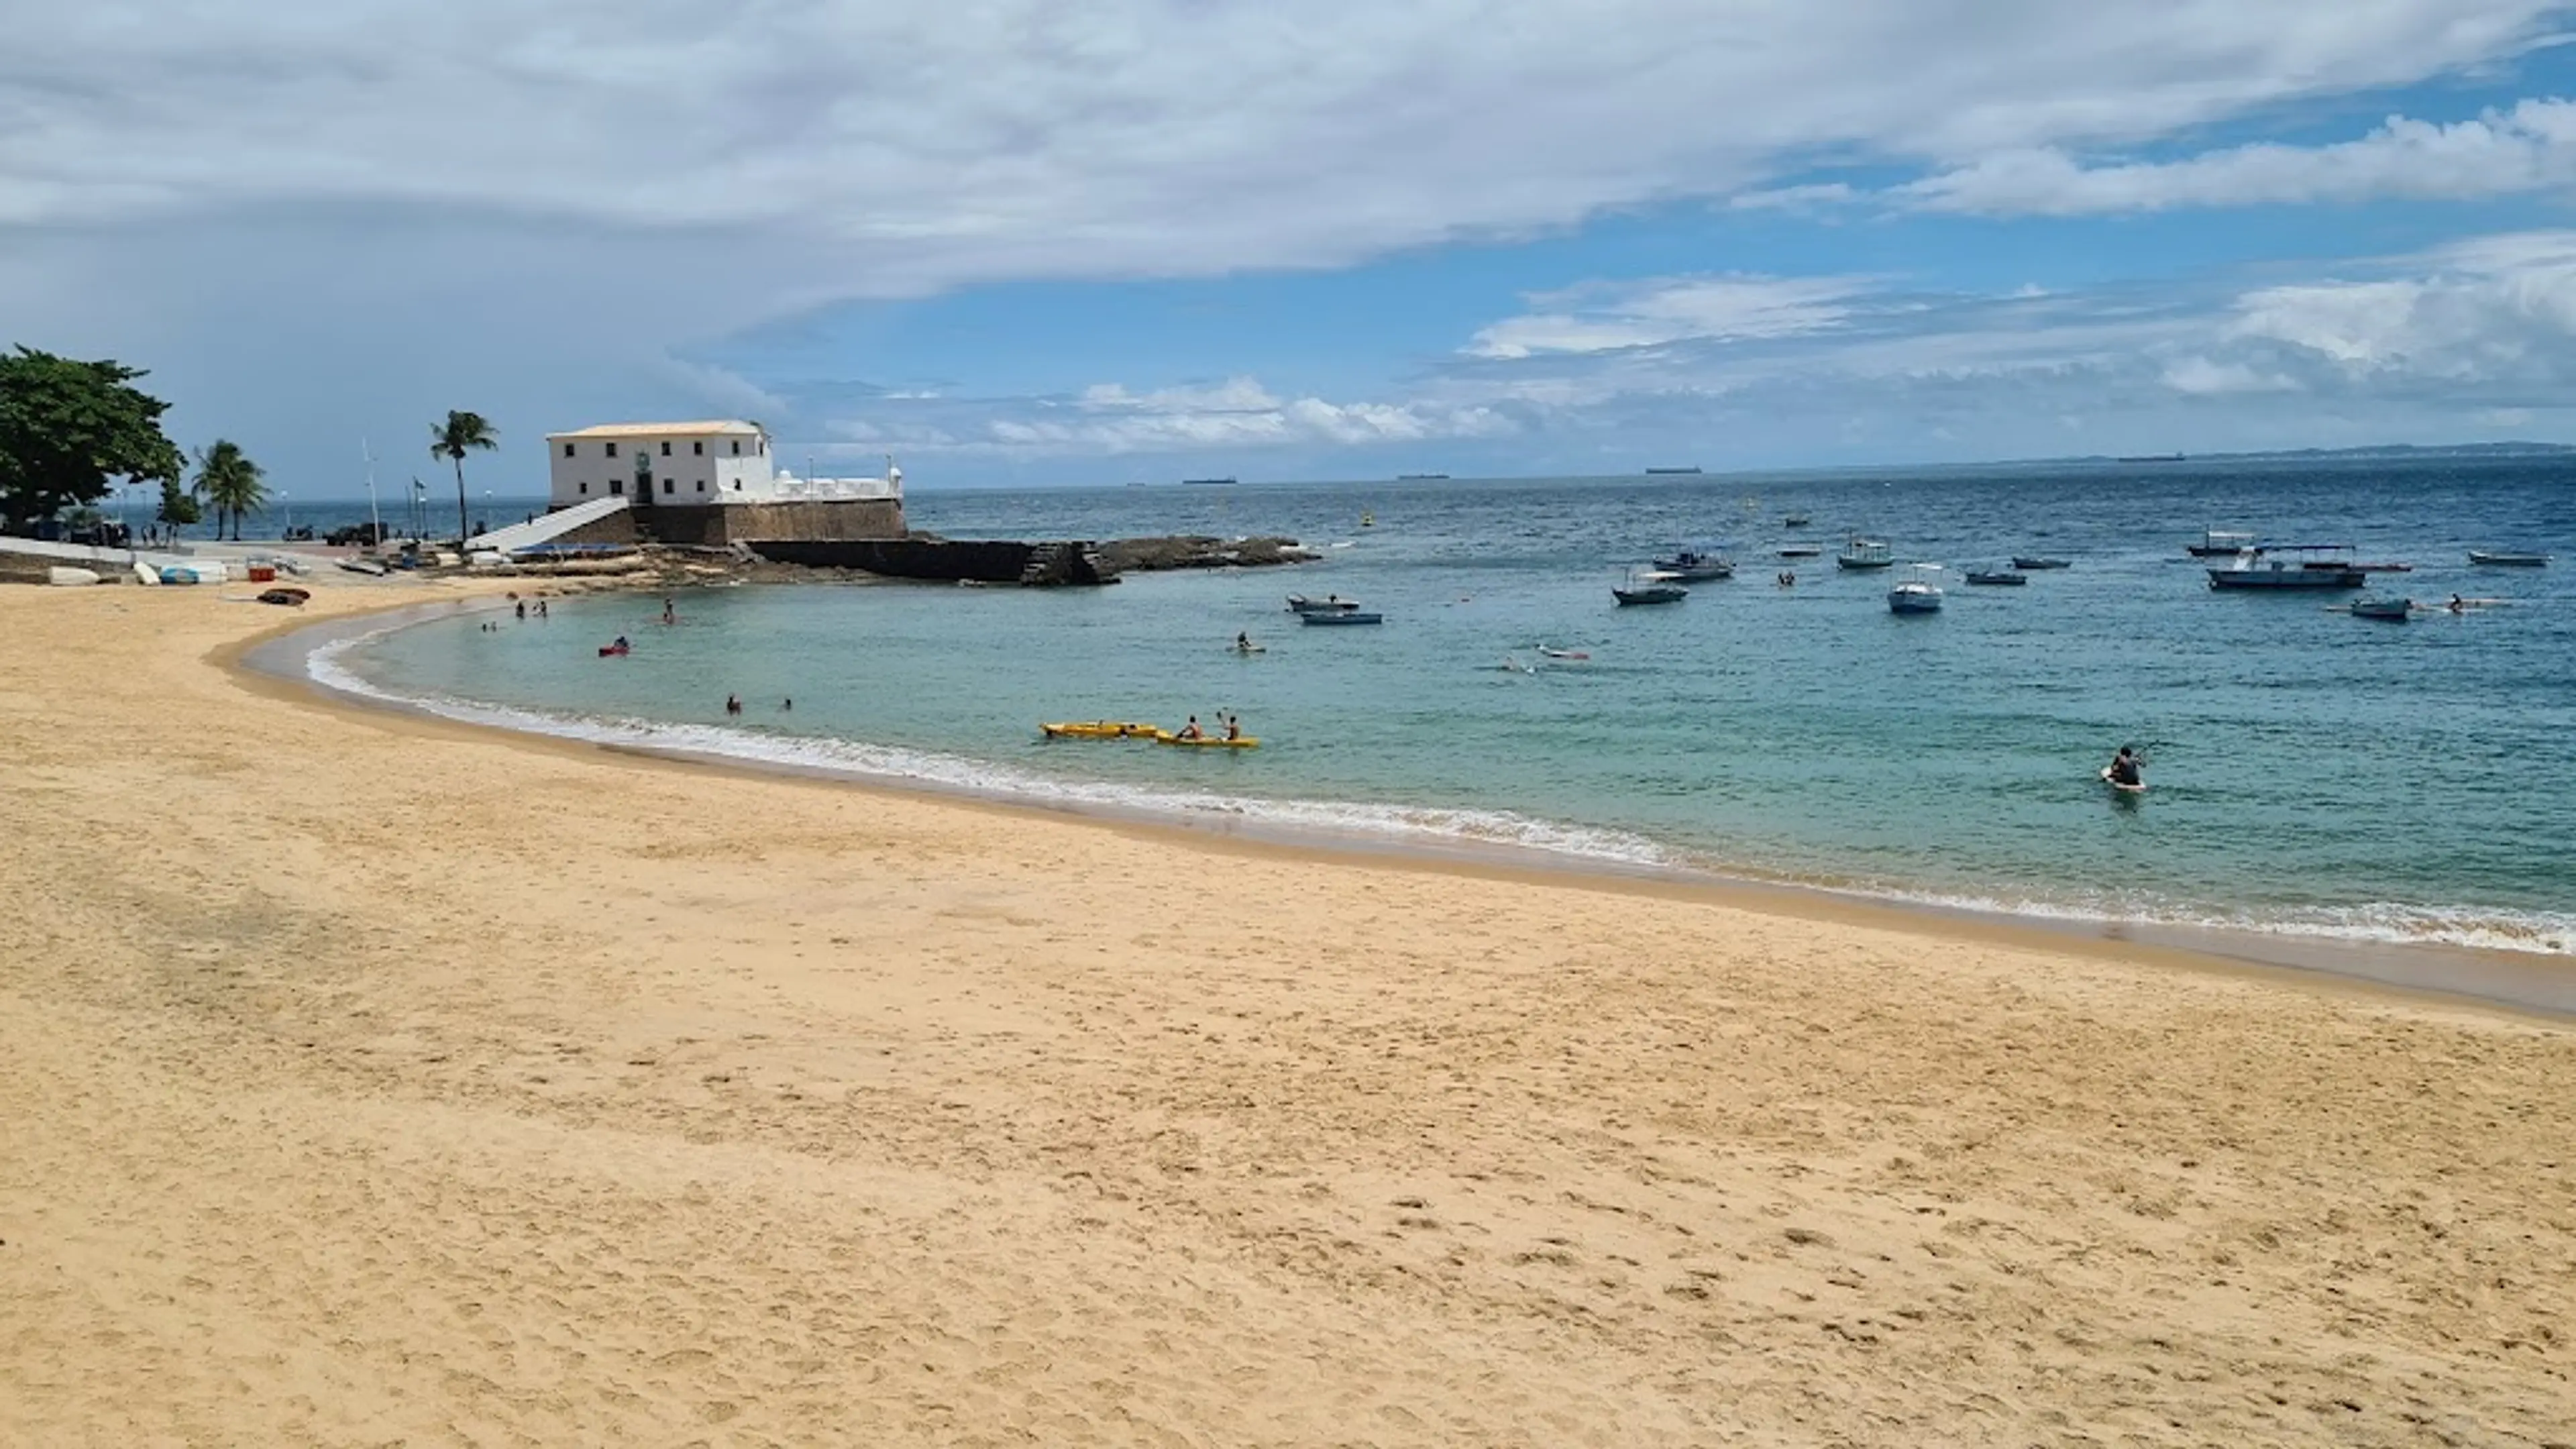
[69, 429]
[178, 505]
[452, 440]
[230, 481]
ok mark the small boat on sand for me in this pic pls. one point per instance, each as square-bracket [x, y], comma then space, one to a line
[2508, 558]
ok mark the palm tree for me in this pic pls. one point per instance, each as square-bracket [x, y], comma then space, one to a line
[230, 481]
[461, 433]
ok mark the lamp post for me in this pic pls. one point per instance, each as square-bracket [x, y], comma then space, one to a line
[286, 530]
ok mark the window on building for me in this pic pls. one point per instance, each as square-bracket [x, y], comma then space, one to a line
[612, 450]
[585, 487]
[617, 485]
[666, 447]
[737, 447]
[669, 486]
[698, 448]
[702, 485]
[764, 447]
[568, 450]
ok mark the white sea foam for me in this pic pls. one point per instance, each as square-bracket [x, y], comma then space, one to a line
[2388, 922]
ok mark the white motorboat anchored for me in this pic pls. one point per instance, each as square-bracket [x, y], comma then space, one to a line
[1919, 592]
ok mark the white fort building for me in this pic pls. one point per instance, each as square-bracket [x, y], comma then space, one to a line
[688, 465]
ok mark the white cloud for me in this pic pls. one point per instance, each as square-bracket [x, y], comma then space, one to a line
[2202, 377]
[1669, 309]
[2531, 147]
[2490, 311]
[370, 210]
[930, 146]
[1235, 415]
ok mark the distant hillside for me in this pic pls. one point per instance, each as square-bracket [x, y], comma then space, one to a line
[2376, 450]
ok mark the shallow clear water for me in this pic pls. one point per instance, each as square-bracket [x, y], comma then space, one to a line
[2310, 771]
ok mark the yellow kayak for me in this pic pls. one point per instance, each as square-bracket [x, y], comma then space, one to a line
[1166, 737]
[1100, 729]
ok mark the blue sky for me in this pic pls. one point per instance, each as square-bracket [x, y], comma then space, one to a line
[1142, 239]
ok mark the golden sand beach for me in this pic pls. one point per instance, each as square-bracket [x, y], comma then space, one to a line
[369, 1080]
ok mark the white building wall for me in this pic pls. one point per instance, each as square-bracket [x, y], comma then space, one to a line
[694, 469]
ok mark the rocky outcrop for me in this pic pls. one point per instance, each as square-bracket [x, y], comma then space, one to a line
[1199, 551]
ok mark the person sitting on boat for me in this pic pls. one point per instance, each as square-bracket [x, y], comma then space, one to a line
[2459, 605]
[1233, 727]
[2124, 767]
[1243, 643]
[1191, 731]
[619, 643]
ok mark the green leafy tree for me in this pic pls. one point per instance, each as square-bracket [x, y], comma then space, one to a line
[178, 507]
[460, 434]
[231, 481]
[69, 429]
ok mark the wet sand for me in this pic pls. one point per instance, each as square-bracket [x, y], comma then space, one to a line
[368, 1077]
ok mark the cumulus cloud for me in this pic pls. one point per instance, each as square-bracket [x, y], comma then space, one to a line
[2488, 311]
[2530, 147]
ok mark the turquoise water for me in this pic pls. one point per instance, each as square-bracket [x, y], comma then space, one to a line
[2310, 772]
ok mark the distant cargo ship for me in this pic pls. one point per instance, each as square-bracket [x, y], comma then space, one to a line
[1672, 470]
[2151, 458]
[1205, 482]
[1418, 477]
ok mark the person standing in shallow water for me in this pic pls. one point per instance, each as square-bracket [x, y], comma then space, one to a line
[733, 704]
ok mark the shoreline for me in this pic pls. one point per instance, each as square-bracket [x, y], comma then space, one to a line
[2541, 985]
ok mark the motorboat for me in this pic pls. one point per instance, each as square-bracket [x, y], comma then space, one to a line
[2220, 543]
[2393, 610]
[1650, 586]
[1866, 553]
[2290, 566]
[1801, 550]
[2508, 558]
[1796, 520]
[1300, 604]
[1992, 578]
[1690, 565]
[1919, 592]
[2035, 565]
[1342, 616]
